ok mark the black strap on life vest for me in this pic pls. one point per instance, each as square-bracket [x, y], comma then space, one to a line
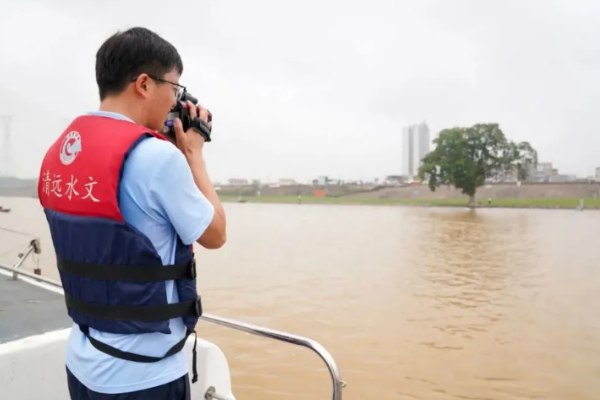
[137, 273]
[124, 355]
[149, 313]
[141, 273]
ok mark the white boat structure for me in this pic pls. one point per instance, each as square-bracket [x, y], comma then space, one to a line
[34, 327]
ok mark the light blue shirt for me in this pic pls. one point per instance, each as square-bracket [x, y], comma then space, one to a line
[158, 196]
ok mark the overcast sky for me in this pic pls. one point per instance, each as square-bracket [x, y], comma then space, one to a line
[306, 88]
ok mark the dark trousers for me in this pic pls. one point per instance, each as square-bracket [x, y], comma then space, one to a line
[176, 390]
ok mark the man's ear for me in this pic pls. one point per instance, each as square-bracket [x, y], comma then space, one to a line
[141, 85]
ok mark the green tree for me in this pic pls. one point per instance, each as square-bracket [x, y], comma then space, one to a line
[466, 157]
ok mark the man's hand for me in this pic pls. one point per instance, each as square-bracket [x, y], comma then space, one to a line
[191, 142]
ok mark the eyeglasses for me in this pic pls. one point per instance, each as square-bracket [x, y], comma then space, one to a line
[180, 89]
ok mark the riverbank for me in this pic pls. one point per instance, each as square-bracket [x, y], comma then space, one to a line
[544, 203]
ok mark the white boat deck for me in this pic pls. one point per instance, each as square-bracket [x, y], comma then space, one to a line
[27, 310]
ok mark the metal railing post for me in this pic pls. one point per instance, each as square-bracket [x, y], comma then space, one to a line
[21, 259]
[334, 372]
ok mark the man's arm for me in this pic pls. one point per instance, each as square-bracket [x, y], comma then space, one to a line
[215, 235]
[191, 213]
[191, 144]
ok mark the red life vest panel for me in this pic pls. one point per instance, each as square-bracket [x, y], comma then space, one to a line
[113, 278]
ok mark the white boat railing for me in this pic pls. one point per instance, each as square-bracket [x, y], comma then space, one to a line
[336, 380]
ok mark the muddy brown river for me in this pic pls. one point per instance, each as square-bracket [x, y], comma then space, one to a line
[413, 303]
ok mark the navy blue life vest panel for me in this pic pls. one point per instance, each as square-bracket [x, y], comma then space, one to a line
[101, 241]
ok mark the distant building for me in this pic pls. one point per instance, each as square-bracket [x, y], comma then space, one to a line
[237, 181]
[563, 178]
[598, 174]
[396, 180]
[416, 143]
[325, 180]
[542, 172]
[322, 180]
[287, 182]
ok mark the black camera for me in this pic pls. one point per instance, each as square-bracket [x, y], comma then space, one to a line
[181, 111]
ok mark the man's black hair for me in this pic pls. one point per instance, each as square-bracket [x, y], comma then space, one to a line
[125, 55]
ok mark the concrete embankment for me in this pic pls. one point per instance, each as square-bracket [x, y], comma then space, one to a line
[496, 191]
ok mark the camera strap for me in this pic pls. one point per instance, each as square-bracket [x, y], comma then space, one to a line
[202, 128]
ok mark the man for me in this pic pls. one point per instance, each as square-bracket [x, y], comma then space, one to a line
[124, 206]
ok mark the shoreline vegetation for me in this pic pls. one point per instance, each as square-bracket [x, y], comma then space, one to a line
[589, 203]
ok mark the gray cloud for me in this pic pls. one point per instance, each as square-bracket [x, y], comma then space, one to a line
[306, 88]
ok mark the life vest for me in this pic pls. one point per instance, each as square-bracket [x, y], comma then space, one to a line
[112, 276]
